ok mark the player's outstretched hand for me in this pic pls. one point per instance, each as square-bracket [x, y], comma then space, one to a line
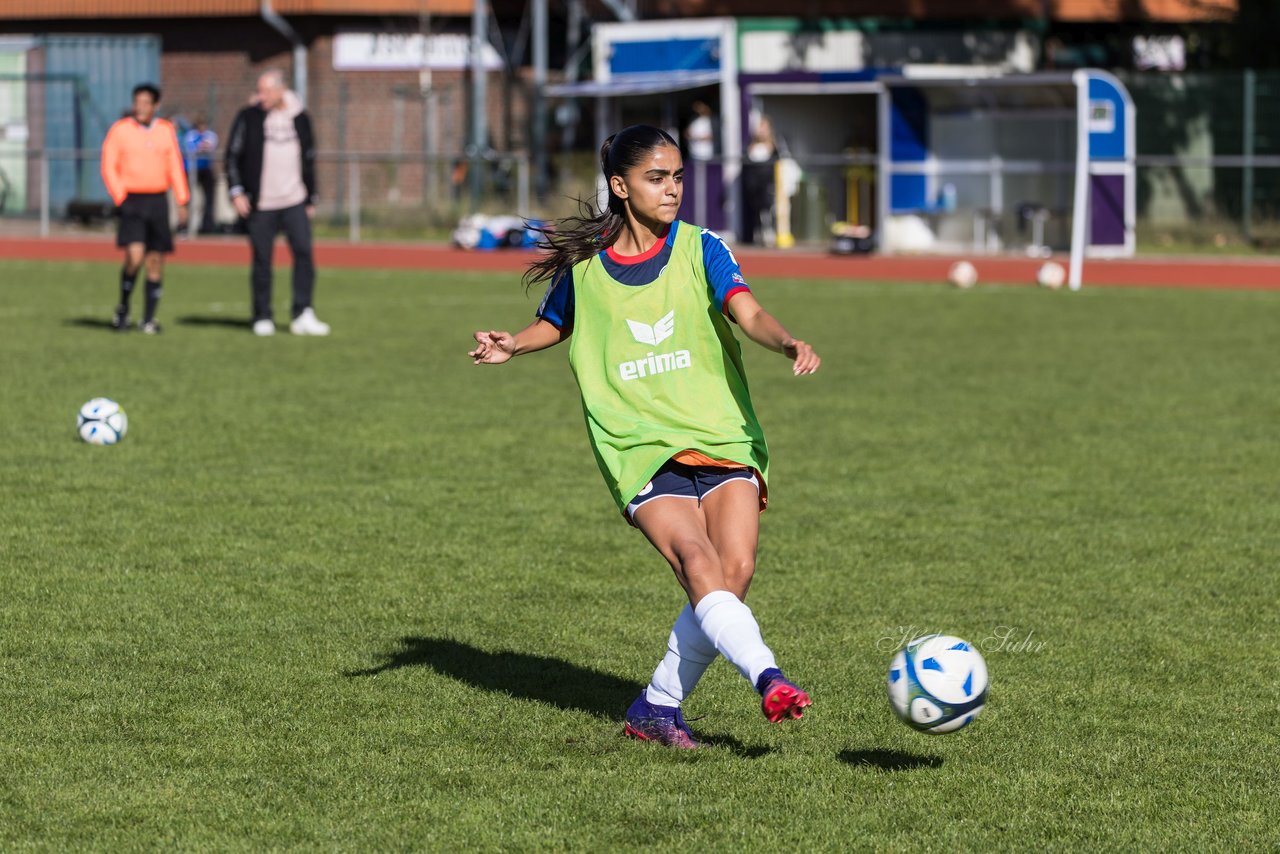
[493, 348]
[806, 361]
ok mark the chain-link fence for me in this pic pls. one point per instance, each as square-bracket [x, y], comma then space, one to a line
[1208, 169]
[389, 166]
[1208, 159]
[364, 195]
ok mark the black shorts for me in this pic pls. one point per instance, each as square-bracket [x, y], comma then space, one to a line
[681, 481]
[144, 218]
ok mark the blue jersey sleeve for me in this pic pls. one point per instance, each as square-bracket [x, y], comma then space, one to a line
[557, 303]
[723, 273]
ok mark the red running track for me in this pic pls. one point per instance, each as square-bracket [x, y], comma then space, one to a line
[1204, 273]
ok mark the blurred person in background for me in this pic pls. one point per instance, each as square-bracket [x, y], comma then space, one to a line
[270, 163]
[198, 144]
[759, 184]
[700, 133]
[141, 162]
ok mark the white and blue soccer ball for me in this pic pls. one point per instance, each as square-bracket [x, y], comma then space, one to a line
[102, 421]
[937, 683]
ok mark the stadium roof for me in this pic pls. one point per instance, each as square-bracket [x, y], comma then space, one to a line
[1049, 90]
[99, 9]
[1081, 11]
[634, 84]
[1164, 11]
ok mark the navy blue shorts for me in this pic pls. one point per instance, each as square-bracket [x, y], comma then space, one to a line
[681, 481]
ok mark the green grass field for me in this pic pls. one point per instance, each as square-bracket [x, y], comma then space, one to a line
[357, 594]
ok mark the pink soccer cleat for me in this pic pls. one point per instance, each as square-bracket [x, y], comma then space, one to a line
[781, 698]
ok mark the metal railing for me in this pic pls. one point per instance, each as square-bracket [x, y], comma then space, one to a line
[355, 189]
[1184, 201]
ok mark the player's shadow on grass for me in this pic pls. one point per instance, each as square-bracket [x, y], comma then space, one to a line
[215, 320]
[90, 323]
[889, 760]
[520, 674]
[531, 677]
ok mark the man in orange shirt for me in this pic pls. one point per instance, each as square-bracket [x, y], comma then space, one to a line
[141, 160]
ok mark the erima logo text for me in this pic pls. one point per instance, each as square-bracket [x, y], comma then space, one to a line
[654, 363]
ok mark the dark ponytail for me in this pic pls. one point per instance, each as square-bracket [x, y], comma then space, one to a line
[576, 238]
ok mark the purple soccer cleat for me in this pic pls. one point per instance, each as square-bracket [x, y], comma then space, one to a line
[663, 724]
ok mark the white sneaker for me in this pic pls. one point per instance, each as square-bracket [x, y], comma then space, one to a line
[308, 324]
[264, 327]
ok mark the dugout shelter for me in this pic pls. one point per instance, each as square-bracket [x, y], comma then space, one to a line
[934, 157]
[967, 160]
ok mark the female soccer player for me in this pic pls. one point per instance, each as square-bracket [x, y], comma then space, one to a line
[645, 303]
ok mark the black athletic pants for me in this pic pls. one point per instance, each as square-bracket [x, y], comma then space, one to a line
[263, 228]
[204, 177]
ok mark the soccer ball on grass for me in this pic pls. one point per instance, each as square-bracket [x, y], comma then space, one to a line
[101, 421]
[937, 683]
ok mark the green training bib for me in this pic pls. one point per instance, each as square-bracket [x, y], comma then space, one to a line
[660, 371]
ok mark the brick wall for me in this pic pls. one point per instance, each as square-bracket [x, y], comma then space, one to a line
[210, 68]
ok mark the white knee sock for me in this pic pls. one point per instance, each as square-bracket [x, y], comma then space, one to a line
[730, 625]
[689, 654]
